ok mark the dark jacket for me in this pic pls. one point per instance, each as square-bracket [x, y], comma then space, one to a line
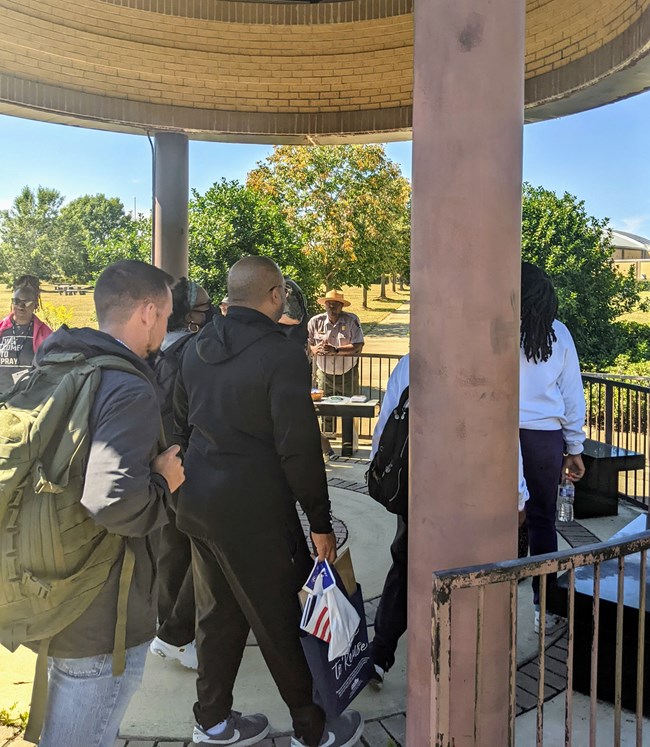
[244, 412]
[166, 367]
[120, 491]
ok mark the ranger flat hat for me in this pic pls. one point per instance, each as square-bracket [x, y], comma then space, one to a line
[334, 295]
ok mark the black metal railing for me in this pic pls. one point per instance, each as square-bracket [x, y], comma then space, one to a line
[618, 409]
[618, 413]
[366, 374]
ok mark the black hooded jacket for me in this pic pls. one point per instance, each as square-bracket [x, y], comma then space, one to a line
[120, 491]
[244, 413]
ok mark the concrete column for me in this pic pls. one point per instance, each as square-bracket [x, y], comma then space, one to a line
[467, 142]
[171, 196]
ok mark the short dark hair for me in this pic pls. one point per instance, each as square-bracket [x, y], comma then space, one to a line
[125, 285]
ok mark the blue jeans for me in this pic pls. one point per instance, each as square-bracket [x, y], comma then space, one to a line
[85, 703]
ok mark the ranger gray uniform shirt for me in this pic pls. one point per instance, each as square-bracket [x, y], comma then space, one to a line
[346, 330]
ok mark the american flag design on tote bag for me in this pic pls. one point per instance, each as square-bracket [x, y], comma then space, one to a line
[315, 616]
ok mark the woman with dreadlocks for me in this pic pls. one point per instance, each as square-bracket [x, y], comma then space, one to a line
[551, 413]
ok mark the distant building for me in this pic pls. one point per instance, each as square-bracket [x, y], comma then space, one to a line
[631, 250]
[630, 246]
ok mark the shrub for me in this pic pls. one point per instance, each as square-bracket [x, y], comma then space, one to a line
[55, 316]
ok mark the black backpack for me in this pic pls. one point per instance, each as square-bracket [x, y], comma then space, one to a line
[388, 475]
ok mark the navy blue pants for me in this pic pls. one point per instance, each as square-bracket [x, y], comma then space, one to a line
[542, 454]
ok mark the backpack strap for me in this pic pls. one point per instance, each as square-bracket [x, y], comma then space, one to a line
[39, 695]
[119, 642]
[115, 363]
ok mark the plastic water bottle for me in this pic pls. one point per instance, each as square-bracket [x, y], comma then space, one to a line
[565, 496]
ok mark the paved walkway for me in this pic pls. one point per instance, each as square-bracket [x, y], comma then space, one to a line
[391, 335]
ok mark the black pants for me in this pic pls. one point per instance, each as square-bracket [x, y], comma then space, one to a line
[541, 452]
[253, 584]
[176, 612]
[390, 620]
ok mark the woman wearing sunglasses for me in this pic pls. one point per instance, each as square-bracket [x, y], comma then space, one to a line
[21, 333]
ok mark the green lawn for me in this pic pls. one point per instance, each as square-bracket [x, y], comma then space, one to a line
[81, 313]
[79, 309]
[377, 308]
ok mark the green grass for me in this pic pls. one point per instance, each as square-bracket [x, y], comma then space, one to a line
[11, 718]
[378, 308]
[78, 311]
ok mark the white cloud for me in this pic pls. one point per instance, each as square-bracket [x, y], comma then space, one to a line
[639, 224]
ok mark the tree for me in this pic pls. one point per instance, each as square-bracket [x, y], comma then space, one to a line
[86, 223]
[29, 233]
[131, 240]
[347, 204]
[575, 250]
[231, 221]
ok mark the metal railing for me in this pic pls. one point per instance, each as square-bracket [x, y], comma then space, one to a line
[366, 373]
[618, 413]
[446, 583]
[618, 409]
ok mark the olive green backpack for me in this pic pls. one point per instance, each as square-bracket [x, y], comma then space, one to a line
[54, 559]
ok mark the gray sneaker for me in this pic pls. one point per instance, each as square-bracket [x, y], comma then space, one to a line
[240, 731]
[344, 731]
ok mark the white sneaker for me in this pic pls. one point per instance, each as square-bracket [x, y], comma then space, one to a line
[185, 655]
[553, 622]
[343, 731]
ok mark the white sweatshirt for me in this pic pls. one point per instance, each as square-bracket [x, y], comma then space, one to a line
[551, 394]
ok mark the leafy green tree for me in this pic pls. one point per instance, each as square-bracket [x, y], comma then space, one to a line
[131, 240]
[231, 221]
[29, 233]
[347, 203]
[86, 223]
[574, 248]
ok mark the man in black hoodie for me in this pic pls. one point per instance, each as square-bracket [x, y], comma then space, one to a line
[126, 490]
[245, 414]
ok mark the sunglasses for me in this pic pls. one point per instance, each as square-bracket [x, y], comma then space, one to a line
[22, 304]
[286, 289]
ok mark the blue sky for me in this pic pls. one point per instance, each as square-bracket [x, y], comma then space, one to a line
[602, 156]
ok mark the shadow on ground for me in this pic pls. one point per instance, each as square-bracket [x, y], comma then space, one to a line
[390, 330]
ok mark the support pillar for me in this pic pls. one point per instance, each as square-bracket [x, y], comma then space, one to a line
[171, 196]
[467, 143]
